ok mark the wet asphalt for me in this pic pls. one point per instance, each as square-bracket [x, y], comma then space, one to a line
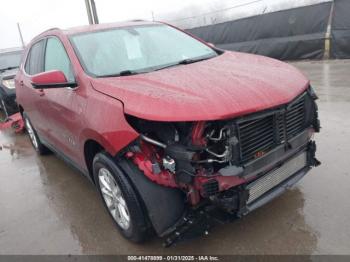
[46, 207]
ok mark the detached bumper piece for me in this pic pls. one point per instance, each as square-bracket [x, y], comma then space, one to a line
[15, 122]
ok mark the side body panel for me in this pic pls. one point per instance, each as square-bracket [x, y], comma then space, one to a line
[66, 119]
[105, 123]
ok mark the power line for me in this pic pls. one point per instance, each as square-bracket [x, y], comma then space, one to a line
[217, 11]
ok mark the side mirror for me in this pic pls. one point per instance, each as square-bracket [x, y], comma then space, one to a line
[51, 79]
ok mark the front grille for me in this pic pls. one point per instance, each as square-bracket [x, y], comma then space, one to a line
[295, 118]
[256, 136]
[262, 185]
[260, 134]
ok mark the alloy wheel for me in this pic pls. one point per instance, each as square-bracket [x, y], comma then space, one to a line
[31, 133]
[113, 198]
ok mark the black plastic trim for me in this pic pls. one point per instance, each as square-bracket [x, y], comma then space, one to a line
[55, 85]
[65, 158]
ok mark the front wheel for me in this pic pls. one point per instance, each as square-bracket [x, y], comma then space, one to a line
[120, 198]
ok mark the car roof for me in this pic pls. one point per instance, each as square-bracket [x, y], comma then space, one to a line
[11, 50]
[96, 27]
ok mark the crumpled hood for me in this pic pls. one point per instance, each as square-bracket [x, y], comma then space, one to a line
[227, 86]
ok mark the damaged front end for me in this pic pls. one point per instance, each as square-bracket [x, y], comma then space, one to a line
[233, 165]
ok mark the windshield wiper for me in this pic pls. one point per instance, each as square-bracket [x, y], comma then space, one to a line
[185, 62]
[124, 73]
[8, 68]
[190, 60]
[135, 72]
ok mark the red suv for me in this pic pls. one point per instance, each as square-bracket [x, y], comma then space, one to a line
[171, 130]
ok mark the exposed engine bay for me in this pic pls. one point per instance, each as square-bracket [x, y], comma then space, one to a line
[188, 156]
[205, 159]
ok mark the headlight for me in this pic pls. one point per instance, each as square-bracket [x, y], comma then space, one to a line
[9, 83]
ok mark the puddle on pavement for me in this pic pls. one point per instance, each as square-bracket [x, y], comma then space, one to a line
[57, 211]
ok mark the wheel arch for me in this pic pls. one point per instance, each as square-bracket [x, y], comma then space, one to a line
[93, 142]
[91, 148]
[164, 206]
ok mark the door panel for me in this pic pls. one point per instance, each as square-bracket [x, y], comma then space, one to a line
[64, 110]
[63, 107]
[33, 97]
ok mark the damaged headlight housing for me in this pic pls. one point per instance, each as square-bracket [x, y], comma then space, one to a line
[189, 146]
[9, 83]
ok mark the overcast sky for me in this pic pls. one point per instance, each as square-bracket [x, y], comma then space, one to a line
[35, 16]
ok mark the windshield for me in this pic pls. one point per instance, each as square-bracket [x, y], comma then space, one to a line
[9, 60]
[136, 49]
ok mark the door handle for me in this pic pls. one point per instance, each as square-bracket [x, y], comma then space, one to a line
[21, 84]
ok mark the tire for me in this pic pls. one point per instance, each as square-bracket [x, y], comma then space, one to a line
[34, 138]
[120, 198]
[4, 116]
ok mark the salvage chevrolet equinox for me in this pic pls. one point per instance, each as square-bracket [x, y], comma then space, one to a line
[173, 131]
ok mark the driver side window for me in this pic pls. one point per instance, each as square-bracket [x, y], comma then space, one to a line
[56, 58]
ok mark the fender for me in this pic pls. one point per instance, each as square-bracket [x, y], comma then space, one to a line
[107, 125]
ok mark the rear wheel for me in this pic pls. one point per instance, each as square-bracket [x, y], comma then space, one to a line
[34, 139]
[120, 198]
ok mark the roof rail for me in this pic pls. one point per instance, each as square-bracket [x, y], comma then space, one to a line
[48, 30]
[137, 20]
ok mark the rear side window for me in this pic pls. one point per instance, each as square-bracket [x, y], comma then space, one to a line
[34, 63]
[56, 58]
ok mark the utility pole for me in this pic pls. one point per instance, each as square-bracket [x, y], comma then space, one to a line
[20, 35]
[94, 11]
[91, 11]
[88, 10]
[328, 36]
